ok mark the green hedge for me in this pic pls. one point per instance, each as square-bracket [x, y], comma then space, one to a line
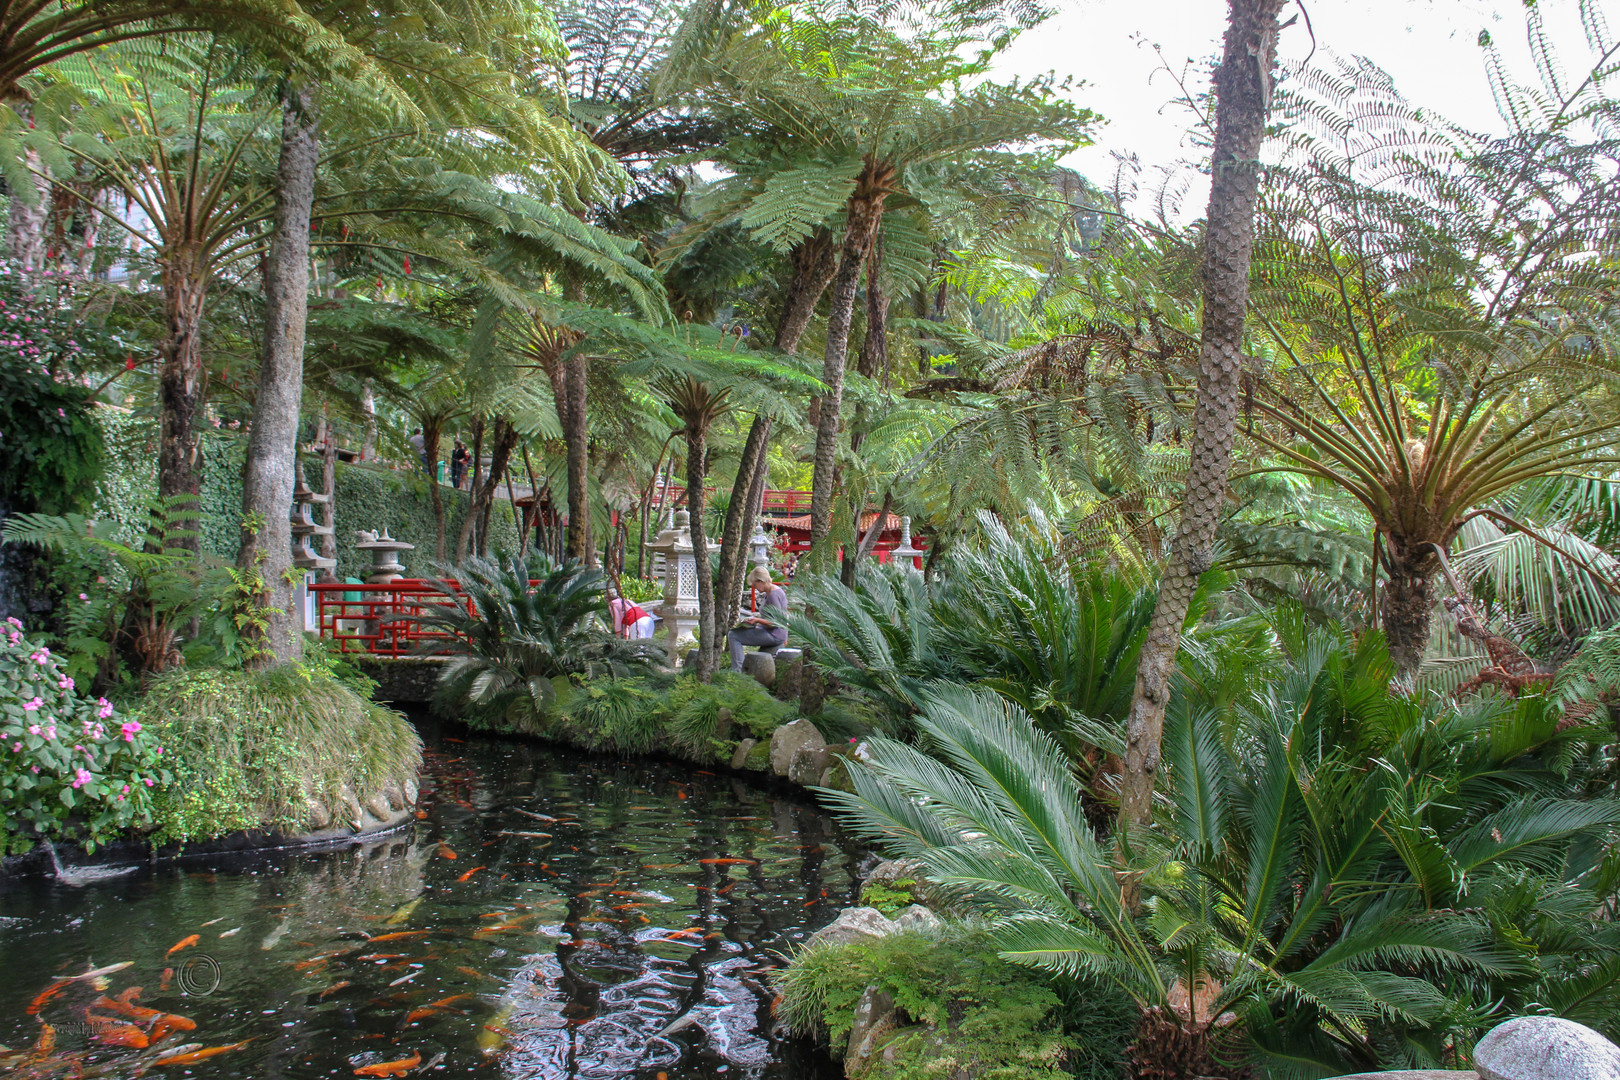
[375, 498]
[368, 497]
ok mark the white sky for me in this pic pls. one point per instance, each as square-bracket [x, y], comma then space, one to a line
[1428, 46]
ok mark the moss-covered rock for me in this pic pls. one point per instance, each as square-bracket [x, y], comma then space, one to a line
[951, 1009]
[289, 750]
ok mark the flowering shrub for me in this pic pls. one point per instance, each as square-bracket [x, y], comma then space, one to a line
[69, 765]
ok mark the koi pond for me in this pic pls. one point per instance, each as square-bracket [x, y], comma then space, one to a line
[550, 915]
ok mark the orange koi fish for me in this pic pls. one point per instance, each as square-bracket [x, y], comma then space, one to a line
[476, 974]
[446, 853]
[124, 1005]
[468, 875]
[114, 1033]
[183, 943]
[170, 1022]
[397, 935]
[46, 995]
[334, 988]
[425, 1011]
[391, 1068]
[194, 1056]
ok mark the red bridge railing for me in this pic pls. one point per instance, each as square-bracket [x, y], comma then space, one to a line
[382, 620]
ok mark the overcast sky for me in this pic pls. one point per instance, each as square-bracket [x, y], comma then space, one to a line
[1430, 47]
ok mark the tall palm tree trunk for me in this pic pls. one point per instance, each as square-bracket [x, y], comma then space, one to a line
[269, 475]
[1242, 91]
[180, 396]
[814, 261]
[860, 230]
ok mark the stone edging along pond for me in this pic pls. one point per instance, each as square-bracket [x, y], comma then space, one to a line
[796, 756]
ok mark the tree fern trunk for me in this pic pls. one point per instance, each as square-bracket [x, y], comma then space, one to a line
[696, 451]
[1242, 90]
[269, 475]
[813, 264]
[180, 396]
[576, 439]
[464, 538]
[865, 214]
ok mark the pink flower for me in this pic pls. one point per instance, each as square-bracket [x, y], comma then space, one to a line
[14, 621]
[62, 414]
[30, 706]
[130, 729]
[16, 748]
[85, 597]
[50, 731]
[81, 777]
[41, 656]
[126, 789]
[64, 683]
[33, 729]
[148, 779]
[106, 708]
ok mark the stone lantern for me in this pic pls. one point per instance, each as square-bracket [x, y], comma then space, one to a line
[904, 550]
[385, 565]
[680, 607]
[759, 548]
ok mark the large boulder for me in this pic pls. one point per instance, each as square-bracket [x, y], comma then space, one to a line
[789, 667]
[761, 666]
[1546, 1048]
[808, 763]
[853, 924]
[739, 757]
[789, 739]
[892, 872]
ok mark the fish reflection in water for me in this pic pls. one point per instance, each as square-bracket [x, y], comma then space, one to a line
[547, 916]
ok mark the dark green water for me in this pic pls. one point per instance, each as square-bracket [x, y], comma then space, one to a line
[554, 916]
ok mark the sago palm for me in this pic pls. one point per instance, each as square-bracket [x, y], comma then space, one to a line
[1305, 899]
[519, 631]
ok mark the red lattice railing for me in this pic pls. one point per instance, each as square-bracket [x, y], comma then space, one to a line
[383, 620]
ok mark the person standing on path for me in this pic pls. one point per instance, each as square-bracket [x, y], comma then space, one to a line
[763, 629]
[458, 464]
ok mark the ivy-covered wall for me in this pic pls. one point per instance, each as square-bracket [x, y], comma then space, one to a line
[367, 498]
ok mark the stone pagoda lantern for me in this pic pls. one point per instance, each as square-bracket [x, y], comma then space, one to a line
[904, 550]
[385, 565]
[680, 607]
[305, 532]
[759, 548]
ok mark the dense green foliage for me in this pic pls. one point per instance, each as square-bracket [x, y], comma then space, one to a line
[522, 632]
[1003, 1020]
[271, 750]
[1363, 879]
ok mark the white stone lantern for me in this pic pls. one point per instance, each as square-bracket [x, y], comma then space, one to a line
[904, 550]
[759, 548]
[680, 607]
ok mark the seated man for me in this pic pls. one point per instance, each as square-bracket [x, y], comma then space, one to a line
[755, 630]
